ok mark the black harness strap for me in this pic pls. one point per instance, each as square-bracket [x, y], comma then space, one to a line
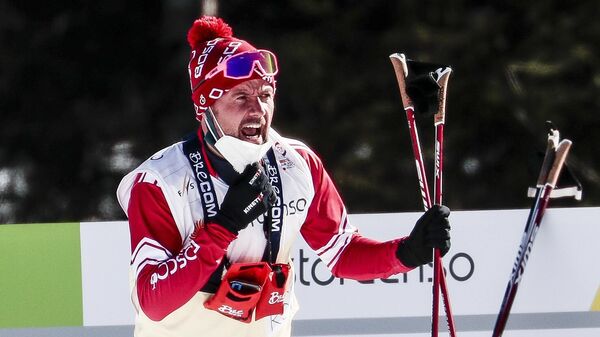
[210, 206]
[274, 217]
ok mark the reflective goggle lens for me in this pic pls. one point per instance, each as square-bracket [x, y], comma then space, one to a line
[242, 65]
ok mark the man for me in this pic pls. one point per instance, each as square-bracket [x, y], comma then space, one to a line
[210, 221]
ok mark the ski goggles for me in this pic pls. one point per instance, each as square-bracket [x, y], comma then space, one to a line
[242, 65]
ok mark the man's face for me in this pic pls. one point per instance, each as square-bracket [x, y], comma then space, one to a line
[246, 111]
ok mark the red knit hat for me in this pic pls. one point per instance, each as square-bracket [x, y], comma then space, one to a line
[212, 42]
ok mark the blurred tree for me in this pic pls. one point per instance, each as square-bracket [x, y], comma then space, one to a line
[89, 90]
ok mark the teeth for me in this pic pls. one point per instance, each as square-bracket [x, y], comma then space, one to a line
[253, 130]
[255, 126]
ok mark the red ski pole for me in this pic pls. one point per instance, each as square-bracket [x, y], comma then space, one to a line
[439, 278]
[401, 69]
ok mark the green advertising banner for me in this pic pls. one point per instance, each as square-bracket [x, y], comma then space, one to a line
[41, 275]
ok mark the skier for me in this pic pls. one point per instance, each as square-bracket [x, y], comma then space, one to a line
[213, 218]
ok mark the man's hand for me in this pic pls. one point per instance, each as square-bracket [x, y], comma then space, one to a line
[245, 200]
[432, 230]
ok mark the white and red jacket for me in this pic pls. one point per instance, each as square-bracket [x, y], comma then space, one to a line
[175, 252]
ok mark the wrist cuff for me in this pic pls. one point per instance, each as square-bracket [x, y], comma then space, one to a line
[406, 256]
[225, 222]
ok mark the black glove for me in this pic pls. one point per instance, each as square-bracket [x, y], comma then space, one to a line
[246, 199]
[431, 230]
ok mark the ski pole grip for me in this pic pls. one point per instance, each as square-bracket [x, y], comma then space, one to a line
[561, 156]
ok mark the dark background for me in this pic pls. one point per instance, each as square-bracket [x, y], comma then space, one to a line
[90, 89]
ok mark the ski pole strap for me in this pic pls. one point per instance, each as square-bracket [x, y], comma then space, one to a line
[424, 91]
[422, 85]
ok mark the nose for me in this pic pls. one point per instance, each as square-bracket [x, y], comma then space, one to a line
[257, 107]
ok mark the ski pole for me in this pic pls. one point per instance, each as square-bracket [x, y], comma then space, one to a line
[554, 160]
[401, 69]
[439, 122]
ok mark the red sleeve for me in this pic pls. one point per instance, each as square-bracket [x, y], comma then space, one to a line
[328, 232]
[167, 273]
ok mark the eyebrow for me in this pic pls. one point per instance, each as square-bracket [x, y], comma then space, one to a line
[249, 91]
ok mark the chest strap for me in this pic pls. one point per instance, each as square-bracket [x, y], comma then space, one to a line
[195, 153]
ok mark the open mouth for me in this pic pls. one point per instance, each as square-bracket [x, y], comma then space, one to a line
[252, 133]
